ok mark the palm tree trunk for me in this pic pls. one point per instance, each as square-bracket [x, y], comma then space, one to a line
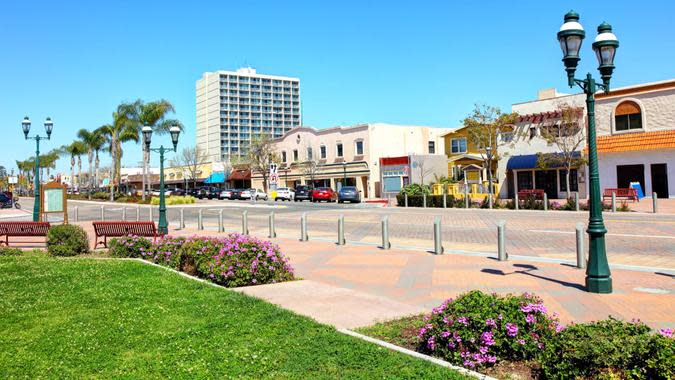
[79, 172]
[90, 172]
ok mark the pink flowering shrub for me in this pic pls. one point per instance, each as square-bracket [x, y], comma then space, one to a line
[477, 329]
[233, 260]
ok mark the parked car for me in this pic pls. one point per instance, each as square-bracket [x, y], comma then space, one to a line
[259, 194]
[167, 192]
[179, 192]
[302, 193]
[225, 194]
[194, 192]
[349, 194]
[324, 194]
[245, 194]
[285, 194]
[209, 192]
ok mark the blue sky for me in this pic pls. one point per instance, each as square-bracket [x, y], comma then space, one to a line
[423, 62]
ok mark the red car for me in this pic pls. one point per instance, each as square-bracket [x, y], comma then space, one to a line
[324, 194]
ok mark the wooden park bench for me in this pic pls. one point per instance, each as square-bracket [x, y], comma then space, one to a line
[536, 193]
[120, 228]
[8, 229]
[627, 194]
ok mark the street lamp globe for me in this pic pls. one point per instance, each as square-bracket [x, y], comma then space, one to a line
[25, 126]
[174, 131]
[605, 49]
[48, 127]
[147, 135]
[570, 36]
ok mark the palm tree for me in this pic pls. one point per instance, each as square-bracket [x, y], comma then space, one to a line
[153, 114]
[76, 149]
[93, 141]
[122, 129]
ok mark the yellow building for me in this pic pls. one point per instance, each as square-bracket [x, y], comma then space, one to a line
[466, 162]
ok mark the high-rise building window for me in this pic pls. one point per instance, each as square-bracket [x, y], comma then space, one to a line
[295, 155]
[338, 150]
[322, 151]
[432, 147]
[359, 147]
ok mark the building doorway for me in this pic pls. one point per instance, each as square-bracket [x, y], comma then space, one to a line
[547, 180]
[625, 174]
[660, 180]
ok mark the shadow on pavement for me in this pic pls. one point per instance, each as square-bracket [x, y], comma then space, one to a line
[526, 270]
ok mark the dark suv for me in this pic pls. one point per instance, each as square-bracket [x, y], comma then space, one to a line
[208, 192]
[303, 193]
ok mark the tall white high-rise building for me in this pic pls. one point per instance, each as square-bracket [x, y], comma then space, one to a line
[235, 106]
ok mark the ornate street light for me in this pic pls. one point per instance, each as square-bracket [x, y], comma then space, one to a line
[25, 127]
[162, 224]
[570, 36]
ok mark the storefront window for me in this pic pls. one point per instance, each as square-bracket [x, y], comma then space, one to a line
[525, 180]
[574, 185]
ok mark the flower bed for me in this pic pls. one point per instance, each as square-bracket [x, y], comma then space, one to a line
[507, 336]
[232, 261]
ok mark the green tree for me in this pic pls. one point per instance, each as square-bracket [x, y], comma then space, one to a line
[259, 156]
[122, 129]
[75, 149]
[93, 141]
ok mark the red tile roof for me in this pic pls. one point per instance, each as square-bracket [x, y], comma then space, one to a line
[630, 142]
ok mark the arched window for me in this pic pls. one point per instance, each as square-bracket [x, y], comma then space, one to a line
[627, 116]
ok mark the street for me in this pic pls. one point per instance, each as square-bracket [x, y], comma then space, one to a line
[633, 239]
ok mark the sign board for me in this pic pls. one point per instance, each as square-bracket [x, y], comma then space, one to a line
[13, 180]
[273, 168]
[53, 200]
[274, 178]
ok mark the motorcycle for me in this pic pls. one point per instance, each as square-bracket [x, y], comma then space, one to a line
[11, 203]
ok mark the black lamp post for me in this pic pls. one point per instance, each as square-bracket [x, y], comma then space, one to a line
[162, 225]
[570, 36]
[25, 126]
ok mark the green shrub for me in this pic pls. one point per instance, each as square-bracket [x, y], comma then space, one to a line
[67, 240]
[128, 246]
[10, 251]
[177, 200]
[477, 329]
[415, 189]
[609, 348]
[432, 201]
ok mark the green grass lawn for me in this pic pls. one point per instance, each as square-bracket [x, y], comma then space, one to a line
[75, 318]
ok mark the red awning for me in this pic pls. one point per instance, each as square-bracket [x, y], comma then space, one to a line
[239, 175]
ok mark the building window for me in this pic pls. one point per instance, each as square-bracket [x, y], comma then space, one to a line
[283, 156]
[525, 180]
[295, 154]
[359, 147]
[309, 154]
[574, 186]
[432, 147]
[338, 149]
[627, 116]
[458, 145]
[322, 151]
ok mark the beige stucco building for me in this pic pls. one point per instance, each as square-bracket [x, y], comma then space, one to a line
[351, 155]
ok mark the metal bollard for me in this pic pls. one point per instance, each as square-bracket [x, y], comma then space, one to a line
[576, 201]
[501, 243]
[613, 201]
[466, 197]
[124, 214]
[76, 210]
[581, 255]
[102, 213]
[244, 222]
[341, 230]
[424, 200]
[445, 200]
[405, 197]
[438, 243]
[150, 210]
[200, 219]
[490, 201]
[273, 232]
[545, 202]
[303, 227]
[221, 228]
[182, 218]
[385, 233]
[138, 213]
[516, 202]
[654, 202]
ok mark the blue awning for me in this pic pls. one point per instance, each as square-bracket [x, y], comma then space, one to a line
[529, 161]
[218, 177]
